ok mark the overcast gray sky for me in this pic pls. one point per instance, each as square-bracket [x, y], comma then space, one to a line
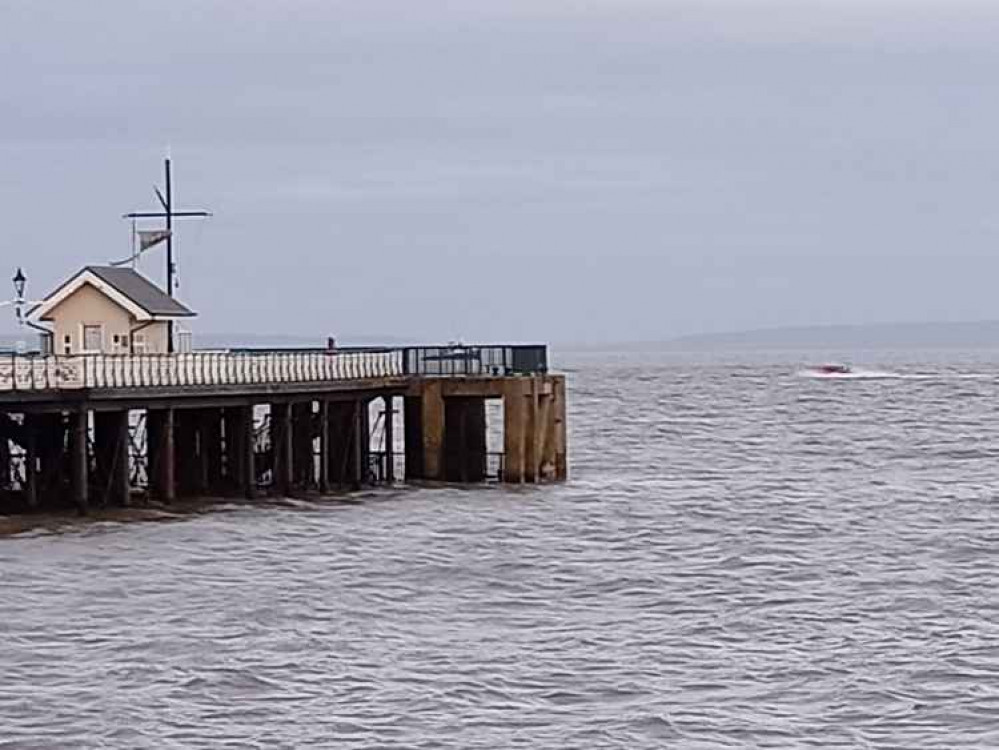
[543, 170]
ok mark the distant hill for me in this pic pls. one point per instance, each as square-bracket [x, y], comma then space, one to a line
[872, 336]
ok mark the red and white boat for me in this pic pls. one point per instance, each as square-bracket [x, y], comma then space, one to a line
[832, 370]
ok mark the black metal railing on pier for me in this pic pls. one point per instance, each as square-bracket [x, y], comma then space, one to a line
[32, 372]
[467, 360]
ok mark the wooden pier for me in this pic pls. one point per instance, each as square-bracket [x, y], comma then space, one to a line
[105, 430]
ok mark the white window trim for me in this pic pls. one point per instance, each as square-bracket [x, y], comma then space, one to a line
[83, 338]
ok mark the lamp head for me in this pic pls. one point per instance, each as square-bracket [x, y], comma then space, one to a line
[19, 281]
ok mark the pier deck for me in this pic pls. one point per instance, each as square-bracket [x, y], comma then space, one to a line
[109, 430]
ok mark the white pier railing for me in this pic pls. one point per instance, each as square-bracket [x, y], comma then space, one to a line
[30, 373]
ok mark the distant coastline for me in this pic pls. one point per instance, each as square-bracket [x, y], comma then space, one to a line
[932, 335]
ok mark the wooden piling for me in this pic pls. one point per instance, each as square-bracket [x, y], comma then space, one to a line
[282, 448]
[121, 474]
[5, 458]
[210, 465]
[111, 458]
[359, 444]
[345, 452]
[389, 418]
[248, 452]
[413, 437]
[531, 455]
[161, 451]
[80, 459]
[169, 462]
[303, 447]
[324, 446]
[30, 461]
[560, 429]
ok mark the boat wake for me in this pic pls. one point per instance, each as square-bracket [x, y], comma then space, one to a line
[852, 374]
[862, 374]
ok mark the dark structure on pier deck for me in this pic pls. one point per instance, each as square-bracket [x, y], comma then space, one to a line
[109, 430]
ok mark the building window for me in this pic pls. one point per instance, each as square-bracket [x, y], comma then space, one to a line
[93, 338]
[139, 343]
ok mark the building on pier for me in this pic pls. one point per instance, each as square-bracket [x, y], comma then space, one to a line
[108, 310]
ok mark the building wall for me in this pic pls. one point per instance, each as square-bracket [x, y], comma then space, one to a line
[87, 306]
[156, 337]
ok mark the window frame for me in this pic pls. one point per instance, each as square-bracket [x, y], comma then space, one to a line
[83, 338]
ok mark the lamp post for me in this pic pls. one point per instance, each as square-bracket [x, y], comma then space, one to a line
[19, 302]
[19, 281]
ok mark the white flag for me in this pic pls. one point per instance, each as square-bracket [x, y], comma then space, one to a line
[150, 237]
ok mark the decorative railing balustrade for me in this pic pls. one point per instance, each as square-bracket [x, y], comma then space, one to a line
[27, 372]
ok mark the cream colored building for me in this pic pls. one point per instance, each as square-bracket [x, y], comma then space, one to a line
[108, 310]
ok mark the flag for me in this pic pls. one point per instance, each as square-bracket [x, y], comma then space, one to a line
[150, 237]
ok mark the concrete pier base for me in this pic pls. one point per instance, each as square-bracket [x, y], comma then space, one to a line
[534, 434]
[445, 428]
[424, 427]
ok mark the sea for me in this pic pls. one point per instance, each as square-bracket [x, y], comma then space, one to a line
[746, 555]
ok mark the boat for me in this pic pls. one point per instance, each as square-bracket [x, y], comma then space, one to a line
[832, 370]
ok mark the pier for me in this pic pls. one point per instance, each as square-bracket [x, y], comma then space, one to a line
[117, 407]
[108, 430]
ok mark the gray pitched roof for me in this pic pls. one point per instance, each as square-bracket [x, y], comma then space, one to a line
[141, 291]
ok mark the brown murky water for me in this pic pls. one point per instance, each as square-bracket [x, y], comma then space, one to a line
[743, 558]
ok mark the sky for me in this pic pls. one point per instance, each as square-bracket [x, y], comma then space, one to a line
[612, 170]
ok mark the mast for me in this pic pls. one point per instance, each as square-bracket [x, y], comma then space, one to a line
[167, 204]
[169, 214]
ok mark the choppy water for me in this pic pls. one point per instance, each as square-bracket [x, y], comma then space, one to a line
[744, 558]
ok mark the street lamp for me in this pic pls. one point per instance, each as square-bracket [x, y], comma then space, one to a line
[19, 302]
[19, 281]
